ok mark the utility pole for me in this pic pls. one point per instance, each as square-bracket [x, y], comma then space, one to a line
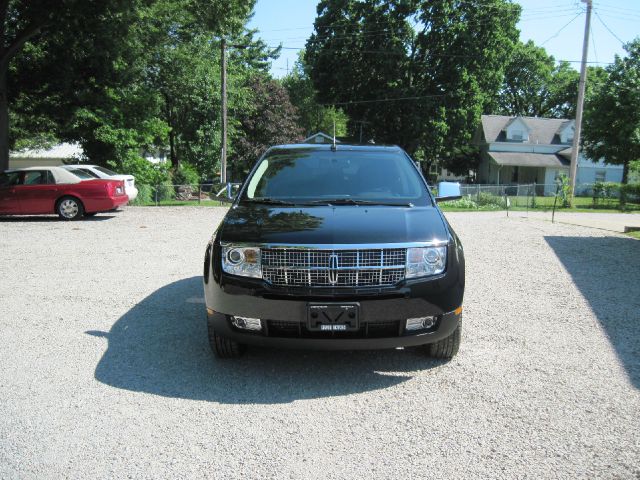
[573, 172]
[223, 133]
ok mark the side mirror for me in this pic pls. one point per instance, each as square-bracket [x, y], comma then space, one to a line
[448, 191]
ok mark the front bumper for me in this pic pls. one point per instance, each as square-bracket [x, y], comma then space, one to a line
[221, 324]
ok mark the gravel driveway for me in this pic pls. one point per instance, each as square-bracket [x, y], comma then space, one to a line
[105, 369]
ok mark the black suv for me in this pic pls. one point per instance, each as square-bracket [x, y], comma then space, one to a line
[334, 247]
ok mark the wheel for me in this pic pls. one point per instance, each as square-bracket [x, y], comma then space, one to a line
[69, 208]
[447, 347]
[224, 347]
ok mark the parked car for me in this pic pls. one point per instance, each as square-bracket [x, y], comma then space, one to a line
[331, 247]
[97, 171]
[44, 190]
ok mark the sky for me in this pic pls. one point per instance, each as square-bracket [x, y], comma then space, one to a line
[557, 25]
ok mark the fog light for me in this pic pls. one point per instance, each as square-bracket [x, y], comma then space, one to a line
[246, 323]
[420, 323]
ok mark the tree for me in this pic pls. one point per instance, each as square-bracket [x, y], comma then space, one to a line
[611, 127]
[66, 48]
[272, 120]
[86, 68]
[314, 117]
[420, 73]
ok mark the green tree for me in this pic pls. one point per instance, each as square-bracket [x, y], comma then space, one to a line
[314, 117]
[611, 126]
[420, 73]
[272, 120]
[54, 55]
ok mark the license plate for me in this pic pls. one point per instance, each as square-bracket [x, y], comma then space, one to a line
[333, 317]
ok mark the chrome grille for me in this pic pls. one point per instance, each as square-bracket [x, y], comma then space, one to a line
[333, 268]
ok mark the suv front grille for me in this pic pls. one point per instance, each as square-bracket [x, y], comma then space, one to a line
[367, 330]
[333, 268]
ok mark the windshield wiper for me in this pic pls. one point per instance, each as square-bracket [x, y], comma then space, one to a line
[353, 201]
[268, 201]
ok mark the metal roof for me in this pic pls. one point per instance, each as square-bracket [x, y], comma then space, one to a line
[517, 159]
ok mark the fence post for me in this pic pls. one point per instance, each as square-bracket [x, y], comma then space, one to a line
[199, 193]
[478, 194]
[528, 192]
[157, 186]
[555, 200]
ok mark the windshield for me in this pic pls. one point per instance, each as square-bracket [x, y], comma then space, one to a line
[342, 176]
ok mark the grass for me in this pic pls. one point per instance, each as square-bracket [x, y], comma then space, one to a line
[634, 235]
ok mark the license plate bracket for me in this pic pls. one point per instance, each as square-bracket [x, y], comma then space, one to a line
[333, 317]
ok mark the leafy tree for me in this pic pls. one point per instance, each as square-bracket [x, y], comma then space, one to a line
[611, 127]
[54, 55]
[314, 117]
[420, 73]
[272, 120]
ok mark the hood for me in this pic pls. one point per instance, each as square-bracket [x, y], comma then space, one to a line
[332, 225]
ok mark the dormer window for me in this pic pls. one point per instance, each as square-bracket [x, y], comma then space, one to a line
[516, 135]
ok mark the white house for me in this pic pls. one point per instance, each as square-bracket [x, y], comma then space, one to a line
[517, 150]
[65, 153]
[46, 157]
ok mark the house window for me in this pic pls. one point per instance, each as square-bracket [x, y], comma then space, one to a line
[516, 135]
[601, 175]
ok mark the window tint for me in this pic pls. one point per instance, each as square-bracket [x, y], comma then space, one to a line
[82, 174]
[380, 175]
[9, 179]
[106, 171]
[91, 173]
[35, 177]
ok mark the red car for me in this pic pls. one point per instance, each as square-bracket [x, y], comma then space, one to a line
[44, 190]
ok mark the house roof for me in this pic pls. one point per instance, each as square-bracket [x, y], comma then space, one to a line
[319, 137]
[522, 159]
[61, 151]
[543, 131]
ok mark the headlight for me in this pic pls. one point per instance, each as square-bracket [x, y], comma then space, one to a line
[425, 261]
[243, 261]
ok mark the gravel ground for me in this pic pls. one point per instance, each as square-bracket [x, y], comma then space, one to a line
[105, 370]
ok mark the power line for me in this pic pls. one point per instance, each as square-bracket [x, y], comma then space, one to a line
[561, 29]
[608, 29]
[380, 100]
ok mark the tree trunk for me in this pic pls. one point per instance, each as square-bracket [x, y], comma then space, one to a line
[4, 123]
[175, 161]
[625, 171]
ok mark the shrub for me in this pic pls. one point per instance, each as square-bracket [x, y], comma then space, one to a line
[486, 199]
[145, 195]
[186, 175]
[464, 202]
[629, 193]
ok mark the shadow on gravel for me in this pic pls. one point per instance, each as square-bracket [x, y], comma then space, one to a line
[52, 218]
[606, 270]
[160, 346]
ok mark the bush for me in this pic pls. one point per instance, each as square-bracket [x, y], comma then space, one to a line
[629, 193]
[464, 202]
[186, 175]
[166, 191]
[146, 173]
[145, 195]
[486, 199]
[605, 190]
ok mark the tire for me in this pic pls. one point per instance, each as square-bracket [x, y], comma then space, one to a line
[224, 347]
[69, 208]
[447, 347]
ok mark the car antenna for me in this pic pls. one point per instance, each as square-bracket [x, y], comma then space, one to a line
[333, 147]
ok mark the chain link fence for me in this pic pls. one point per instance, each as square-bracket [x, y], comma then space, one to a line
[200, 193]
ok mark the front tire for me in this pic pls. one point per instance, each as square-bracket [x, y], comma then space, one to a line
[69, 208]
[224, 347]
[447, 347]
